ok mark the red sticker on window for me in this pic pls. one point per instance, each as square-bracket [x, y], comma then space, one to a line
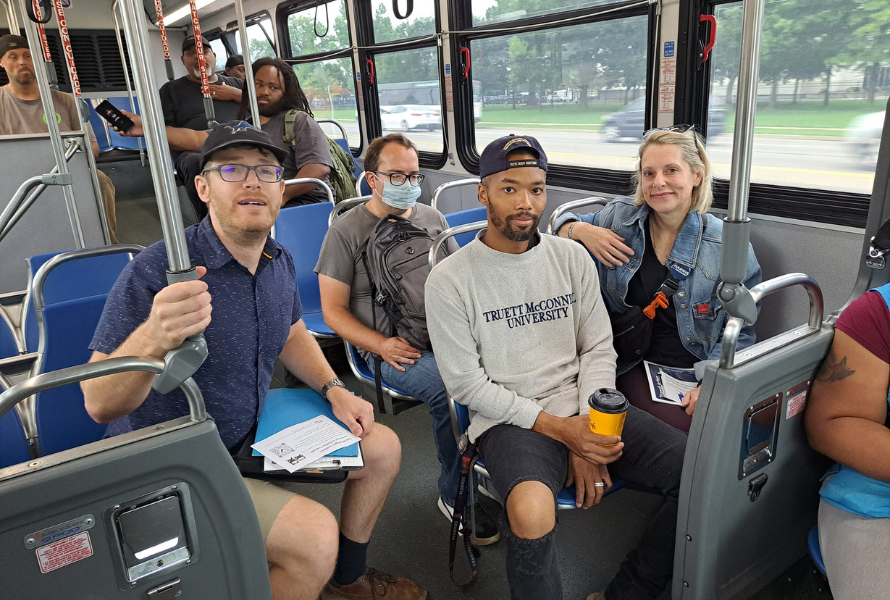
[64, 552]
[702, 308]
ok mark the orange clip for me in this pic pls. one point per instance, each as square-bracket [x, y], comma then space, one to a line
[660, 301]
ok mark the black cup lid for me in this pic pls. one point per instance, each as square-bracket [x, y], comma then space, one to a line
[609, 401]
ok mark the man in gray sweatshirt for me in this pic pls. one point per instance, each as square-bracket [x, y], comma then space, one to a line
[522, 338]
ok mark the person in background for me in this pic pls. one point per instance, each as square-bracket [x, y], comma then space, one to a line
[21, 111]
[235, 67]
[663, 238]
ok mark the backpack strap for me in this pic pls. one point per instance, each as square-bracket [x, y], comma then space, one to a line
[378, 360]
[290, 117]
[880, 246]
[462, 509]
[661, 299]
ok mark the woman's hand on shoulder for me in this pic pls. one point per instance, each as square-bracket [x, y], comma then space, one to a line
[607, 246]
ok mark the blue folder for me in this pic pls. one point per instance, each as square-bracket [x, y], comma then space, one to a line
[285, 407]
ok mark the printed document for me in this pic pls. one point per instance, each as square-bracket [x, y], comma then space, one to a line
[297, 446]
[669, 384]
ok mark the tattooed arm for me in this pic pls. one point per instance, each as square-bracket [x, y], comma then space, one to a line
[847, 408]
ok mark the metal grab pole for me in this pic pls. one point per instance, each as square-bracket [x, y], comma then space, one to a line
[44, 47]
[120, 46]
[168, 64]
[55, 136]
[249, 85]
[12, 19]
[736, 299]
[182, 362]
[209, 110]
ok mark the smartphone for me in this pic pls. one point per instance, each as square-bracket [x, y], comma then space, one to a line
[110, 113]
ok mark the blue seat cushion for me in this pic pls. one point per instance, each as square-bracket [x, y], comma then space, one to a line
[367, 372]
[13, 445]
[315, 323]
[463, 217]
[815, 549]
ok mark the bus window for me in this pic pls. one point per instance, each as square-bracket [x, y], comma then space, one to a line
[304, 29]
[581, 90]
[388, 27]
[260, 38]
[409, 97]
[821, 95]
[219, 48]
[328, 85]
[486, 12]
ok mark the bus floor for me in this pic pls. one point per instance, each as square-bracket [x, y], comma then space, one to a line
[411, 537]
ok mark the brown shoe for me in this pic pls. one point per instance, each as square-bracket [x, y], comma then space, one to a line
[597, 596]
[374, 585]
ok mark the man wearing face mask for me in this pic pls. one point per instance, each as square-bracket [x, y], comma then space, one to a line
[392, 171]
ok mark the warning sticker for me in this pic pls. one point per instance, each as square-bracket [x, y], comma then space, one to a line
[449, 94]
[797, 399]
[668, 71]
[64, 552]
[666, 99]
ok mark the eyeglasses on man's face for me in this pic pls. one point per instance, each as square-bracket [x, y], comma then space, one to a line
[237, 173]
[400, 178]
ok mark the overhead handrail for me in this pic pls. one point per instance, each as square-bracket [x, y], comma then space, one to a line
[182, 362]
[55, 136]
[440, 240]
[571, 205]
[452, 184]
[735, 324]
[209, 110]
[20, 204]
[318, 182]
[734, 296]
[168, 64]
[249, 84]
[115, 8]
[345, 205]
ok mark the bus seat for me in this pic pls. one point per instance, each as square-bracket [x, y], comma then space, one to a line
[13, 444]
[394, 401]
[572, 205]
[101, 129]
[750, 482]
[815, 549]
[160, 512]
[301, 229]
[472, 182]
[361, 185]
[463, 217]
[75, 274]
[344, 144]
[62, 421]
[8, 345]
[119, 142]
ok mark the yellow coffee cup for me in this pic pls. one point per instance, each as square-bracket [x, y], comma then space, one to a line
[608, 408]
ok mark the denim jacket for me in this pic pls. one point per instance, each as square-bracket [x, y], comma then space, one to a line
[700, 316]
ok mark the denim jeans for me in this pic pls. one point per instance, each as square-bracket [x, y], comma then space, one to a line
[652, 461]
[422, 380]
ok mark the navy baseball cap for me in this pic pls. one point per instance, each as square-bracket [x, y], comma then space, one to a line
[494, 157]
[239, 134]
[11, 42]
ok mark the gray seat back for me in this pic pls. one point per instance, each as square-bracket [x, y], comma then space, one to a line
[163, 507]
[749, 489]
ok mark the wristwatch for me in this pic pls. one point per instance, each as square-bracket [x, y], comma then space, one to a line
[331, 384]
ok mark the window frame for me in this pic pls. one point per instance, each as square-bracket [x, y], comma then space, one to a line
[693, 95]
[230, 34]
[286, 9]
[576, 177]
[368, 50]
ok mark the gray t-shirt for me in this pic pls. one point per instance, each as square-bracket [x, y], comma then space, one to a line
[311, 146]
[18, 117]
[341, 257]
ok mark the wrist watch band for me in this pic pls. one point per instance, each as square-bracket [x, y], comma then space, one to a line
[331, 384]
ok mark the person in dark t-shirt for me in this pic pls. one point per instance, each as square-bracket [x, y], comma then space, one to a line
[182, 101]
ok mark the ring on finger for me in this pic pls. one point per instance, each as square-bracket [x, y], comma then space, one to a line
[599, 484]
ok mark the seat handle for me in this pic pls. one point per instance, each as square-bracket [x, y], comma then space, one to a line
[110, 366]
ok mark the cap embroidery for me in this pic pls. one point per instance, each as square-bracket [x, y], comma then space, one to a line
[513, 164]
[516, 141]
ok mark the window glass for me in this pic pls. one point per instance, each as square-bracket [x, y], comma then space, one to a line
[258, 36]
[329, 89]
[221, 55]
[318, 29]
[821, 97]
[408, 92]
[496, 11]
[389, 28]
[580, 90]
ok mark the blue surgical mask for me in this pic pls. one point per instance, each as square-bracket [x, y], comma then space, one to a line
[401, 197]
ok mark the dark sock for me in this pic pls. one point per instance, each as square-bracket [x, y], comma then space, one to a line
[350, 561]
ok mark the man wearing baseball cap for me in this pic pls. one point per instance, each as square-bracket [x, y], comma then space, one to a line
[522, 338]
[235, 67]
[182, 100]
[248, 281]
[21, 111]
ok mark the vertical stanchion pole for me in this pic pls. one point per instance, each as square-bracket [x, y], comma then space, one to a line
[248, 70]
[52, 126]
[120, 46]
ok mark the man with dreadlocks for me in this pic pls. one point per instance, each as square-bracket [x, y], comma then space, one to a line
[278, 92]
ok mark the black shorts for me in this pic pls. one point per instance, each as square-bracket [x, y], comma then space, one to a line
[513, 455]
